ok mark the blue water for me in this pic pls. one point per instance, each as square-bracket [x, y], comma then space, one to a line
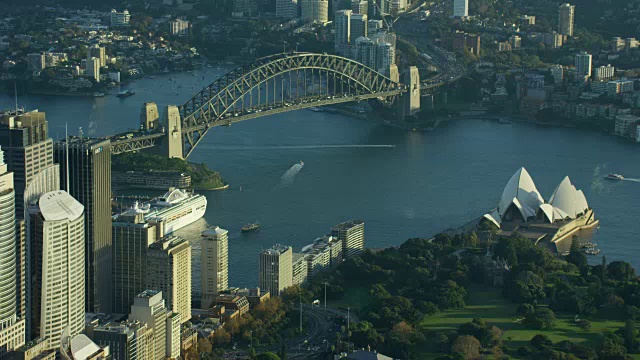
[402, 184]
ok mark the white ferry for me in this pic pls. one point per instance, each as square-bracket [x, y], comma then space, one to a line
[175, 209]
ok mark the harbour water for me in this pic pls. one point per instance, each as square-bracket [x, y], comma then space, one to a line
[402, 184]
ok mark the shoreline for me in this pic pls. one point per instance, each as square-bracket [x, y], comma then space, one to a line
[219, 188]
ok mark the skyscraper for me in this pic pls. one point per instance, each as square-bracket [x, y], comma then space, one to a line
[214, 264]
[359, 23]
[287, 9]
[351, 233]
[12, 334]
[360, 7]
[566, 12]
[583, 65]
[57, 271]
[127, 340]
[365, 52]
[149, 307]
[90, 183]
[276, 269]
[169, 271]
[315, 10]
[27, 148]
[131, 239]
[92, 68]
[343, 29]
[99, 52]
[460, 8]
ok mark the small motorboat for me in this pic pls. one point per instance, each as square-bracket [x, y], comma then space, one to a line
[614, 177]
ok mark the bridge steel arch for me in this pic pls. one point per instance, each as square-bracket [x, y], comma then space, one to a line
[209, 107]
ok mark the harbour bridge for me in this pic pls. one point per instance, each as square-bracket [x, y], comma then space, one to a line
[270, 85]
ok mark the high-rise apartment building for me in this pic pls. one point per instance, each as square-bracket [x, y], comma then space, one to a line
[27, 149]
[365, 52]
[515, 41]
[343, 29]
[397, 6]
[214, 264]
[149, 308]
[359, 23]
[275, 272]
[12, 329]
[120, 19]
[298, 269]
[374, 26]
[385, 57]
[351, 234]
[47, 180]
[36, 61]
[131, 239]
[360, 7]
[566, 13]
[316, 11]
[583, 65]
[90, 183]
[179, 27]
[526, 20]
[287, 9]
[557, 72]
[127, 340]
[464, 41]
[99, 52]
[57, 268]
[604, 72]
[460, 8]
[169, 271]
[92, 69]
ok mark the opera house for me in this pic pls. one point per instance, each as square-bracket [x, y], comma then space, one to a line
[523, 209]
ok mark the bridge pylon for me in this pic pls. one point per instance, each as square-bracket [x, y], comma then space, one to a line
[173, 133]
[409, 103]
[149, 116]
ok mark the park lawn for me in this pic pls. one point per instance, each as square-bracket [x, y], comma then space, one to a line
[487, 303]
[357, 298]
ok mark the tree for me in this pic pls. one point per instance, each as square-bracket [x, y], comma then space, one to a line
[575, 245]
[612, 347]
[364, 334]
[191, 354]
[584, 324]
[540, 341]
[267, 356]
[542, 318]
[204, 346]
[620, 270]
[467, 346]
[629, 334]
[451, 295]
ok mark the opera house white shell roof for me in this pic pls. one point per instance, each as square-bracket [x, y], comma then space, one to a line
[521, 195]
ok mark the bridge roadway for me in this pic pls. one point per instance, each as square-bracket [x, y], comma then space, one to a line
[142, 140]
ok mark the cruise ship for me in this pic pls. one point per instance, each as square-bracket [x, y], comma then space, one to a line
[175, 209]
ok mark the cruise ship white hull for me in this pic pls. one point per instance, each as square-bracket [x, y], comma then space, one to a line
[185, 220]
[175, 210]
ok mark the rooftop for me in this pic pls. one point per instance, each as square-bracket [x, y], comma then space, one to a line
[277, 249]
[347, 225]
[59, 205]
[214, 232]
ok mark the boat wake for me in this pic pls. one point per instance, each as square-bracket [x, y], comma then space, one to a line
[298, 147]
[290, 175]
[632, 180]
